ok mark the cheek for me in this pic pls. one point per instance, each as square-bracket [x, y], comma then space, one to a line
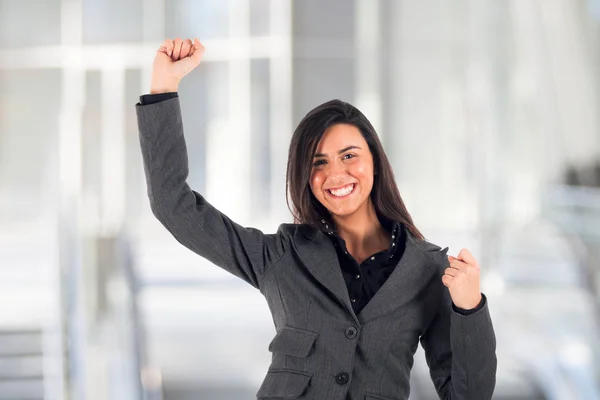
[364, 172]
[316, 182]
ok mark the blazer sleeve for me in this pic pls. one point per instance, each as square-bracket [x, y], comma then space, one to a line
[460, 351]
[245, 252]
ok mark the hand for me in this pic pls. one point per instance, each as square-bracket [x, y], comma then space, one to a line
[462, 280]
[174, 60]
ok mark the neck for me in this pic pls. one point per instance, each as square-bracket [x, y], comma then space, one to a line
[362, 231]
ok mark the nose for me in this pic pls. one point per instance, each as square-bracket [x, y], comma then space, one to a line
[336, 166]
[337, 171]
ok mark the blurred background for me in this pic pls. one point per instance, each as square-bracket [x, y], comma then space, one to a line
[488, 110]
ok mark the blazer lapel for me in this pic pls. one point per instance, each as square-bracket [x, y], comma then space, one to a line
[318, 255]
[411, 274]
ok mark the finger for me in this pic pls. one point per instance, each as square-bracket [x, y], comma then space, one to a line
[176, 49]
[166, 47]
[455, 262]
[466, 256]
[198, 52]
[448, 280]
[171, 47]
[452, 272]
[163, 45]
[185, 48]
[461, 266]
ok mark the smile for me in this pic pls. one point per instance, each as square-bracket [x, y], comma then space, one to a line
[342, 191]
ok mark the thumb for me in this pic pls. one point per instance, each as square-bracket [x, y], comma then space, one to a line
[198, 52]
[187, 64]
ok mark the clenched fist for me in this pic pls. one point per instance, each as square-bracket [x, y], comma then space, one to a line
[174, 60]
[462, 280]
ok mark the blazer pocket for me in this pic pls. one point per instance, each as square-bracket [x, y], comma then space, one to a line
[283, 384]
[293, 341]
[376, 397]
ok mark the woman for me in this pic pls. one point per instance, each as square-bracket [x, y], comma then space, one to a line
[353, 287]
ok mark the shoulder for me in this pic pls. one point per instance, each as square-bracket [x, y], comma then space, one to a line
[292, 230]
[434, 255]
[301, 232]
[287, 229]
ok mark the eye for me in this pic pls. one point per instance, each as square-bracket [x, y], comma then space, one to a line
[319, 162]
[348, 156]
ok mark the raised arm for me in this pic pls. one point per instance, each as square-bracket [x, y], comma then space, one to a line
[244, 252]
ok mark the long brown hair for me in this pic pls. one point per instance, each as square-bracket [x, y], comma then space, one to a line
[305, 208]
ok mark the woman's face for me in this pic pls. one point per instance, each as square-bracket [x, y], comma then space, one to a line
[342, 172]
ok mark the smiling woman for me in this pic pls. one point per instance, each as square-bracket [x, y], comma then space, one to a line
[335, 146]
[342, 180]
[373, 285]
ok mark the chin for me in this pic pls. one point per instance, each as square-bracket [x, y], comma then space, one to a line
[343, 212]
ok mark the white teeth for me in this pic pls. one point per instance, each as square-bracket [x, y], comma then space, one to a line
[343, 191]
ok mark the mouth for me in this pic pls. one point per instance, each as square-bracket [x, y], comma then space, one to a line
[341, 192]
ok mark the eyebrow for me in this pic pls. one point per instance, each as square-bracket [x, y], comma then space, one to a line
[345, 149]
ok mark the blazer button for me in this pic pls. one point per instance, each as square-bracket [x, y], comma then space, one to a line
[351, 332]
[342, 378]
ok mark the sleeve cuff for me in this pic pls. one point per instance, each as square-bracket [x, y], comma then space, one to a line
[471, 311]
[156, 98]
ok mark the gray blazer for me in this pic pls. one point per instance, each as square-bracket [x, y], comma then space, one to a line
[322, 349]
